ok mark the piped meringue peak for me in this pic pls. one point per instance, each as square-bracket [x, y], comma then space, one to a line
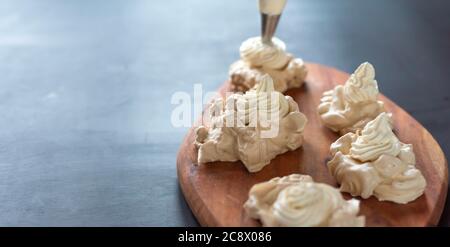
[259, 54]
[361, 86]
[376, 138]
[296, 200]
[269, 103]
[259, 58]
[375, 162]
[349, 107]
[253, 127]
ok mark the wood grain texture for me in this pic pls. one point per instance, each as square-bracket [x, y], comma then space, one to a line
[217, 191]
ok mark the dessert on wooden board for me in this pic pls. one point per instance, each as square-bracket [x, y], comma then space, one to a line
[239, 132]
[348, 107]
[296, 200]
[374, 162]
[217, 193]
[267, 55]
[259, 58]
[257, 128]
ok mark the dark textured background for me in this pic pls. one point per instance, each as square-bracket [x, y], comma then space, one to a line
[85, 86]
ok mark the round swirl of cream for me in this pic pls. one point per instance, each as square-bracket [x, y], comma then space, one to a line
[361, 86]
[405, 188]
[306, 204]
[375, 139]
[263, 195]
[264, 99]
[259, 54]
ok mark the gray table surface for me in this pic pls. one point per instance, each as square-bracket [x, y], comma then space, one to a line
[85, 87]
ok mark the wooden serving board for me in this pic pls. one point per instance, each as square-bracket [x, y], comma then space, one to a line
[217, 191]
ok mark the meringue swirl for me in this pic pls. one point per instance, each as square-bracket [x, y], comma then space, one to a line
[263, 195]
[241, 128]
[296, 200]
[306, 204]
[349, 107]
[269, 56]
[376, 139]
[361, 86]
[376, 163]
[263, 99]
[407, 186]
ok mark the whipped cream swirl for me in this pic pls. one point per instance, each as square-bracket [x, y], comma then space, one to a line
[296, 200]
[361, 86]
[376, 163]
[268, 56]
[263, 99]
[306, 204]
[376, 139]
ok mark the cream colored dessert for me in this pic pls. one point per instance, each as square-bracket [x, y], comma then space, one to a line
[296, 200]
[259, 58]
[238, 130]
[348, 108]
[375, 162]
